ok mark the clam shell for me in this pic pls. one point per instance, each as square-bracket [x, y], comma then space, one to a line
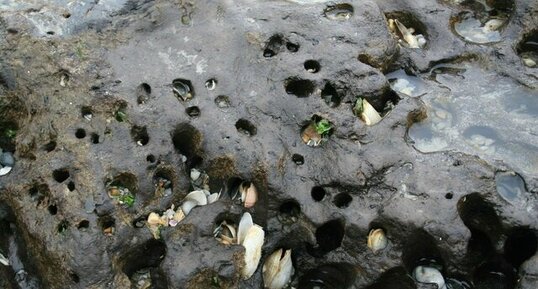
[187, 206]
[425, 274]
[370, 116]
[4, 260]
[195, 174]
[5, 170]
[244, 225]
[249, 195]
[199, 197]
[253, 243]
[213, 198]
[277, 269]
[377, 240]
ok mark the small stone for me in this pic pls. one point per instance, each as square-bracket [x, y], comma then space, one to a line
[7, 160]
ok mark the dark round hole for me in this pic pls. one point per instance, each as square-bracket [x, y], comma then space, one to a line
[140, 135]
[318, 193]
[84, 224]
[330, 95]
[143, 93]
[150, 158]
[290, 208]
[60, 175]
[312, 66]
[193, 111]
[297, 159]
[299, 87]
[50, 146]
[74, 277]
[53, 209]
[95, 138]
[268, 53]
[246, 127]
[140, 222]
[292, 47]
[449, 196]
[479, 215]
[12, 31]
[66, 15]
[63, 226]
[80, 133]
[329, 236]
[107, 224]
[222, 101]
[50, 32]
[71, 186]
[211, 84]
[342, 200]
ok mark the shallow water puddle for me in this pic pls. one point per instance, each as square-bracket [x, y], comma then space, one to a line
[407, 84]
[467, 113]
[511, 187]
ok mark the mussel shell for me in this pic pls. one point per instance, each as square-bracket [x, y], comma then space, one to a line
[182, 89]
[329, 276]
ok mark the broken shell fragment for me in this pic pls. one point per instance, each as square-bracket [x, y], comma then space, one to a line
[249, 194]
[406, 34]
[6, 162]
[4, 260]
[366, 112]
[429, 275]
[225, 233]
[277, 269]
[195, 174]
[377, 240]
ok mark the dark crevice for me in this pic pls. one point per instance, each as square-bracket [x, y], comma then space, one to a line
[60, 175]
[188, 142]
[420, 249]
[479, 216]
[143, 93]
[520, 245]
[332, 275]
[299, 87]
[193, 111]
[330, 95]
[246, 127]
[342, 200]
[297, 159]
[329, 236]
[318, 193]
[273, 46]
[140, 135]
[147, 255]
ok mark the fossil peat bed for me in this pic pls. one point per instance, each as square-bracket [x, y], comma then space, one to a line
[89, 97]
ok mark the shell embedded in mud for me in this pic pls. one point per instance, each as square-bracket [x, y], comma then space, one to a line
[278, 269]
[377, 240]
[251, 236]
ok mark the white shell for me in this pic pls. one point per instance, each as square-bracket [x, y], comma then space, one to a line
[187, 206]
[249, 195]
[244, 225]
[5, 171]
[199, 197]
[213, 198]
[253, 243]
[195, 174]
[369, 115]
[277, 270]
[425, 274]
[4, 260]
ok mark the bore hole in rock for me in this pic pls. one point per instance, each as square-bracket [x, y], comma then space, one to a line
[318, 193]
[289, 210]
[340, 12]
[297, 159]
[520, 245]
[420, 249]
[143, 93]
[316, 131]
[80, 133]
[342, 200]
[187, 141]
[222, 101]
[140, 135]
[292, 47]
[149, 254]
[71, 186]
[193, 111]
[408, 23]
[273, 45]
[39, 193]
[60, 175]
[74, 277]
[182, 89]
[163, 181]
[449, 196]
[50, 146]
[64, 77]
[245, 127]
[312, 66]
[299, 87]
[66, 15]
[527, 49]
[107, 224]
[479, 215]
[95, 138]
[394, 278]
[151, 158]
[124, 180]
[12, 31]
[53, 209]
[330, 95]
[63, 226]
[329, 236]
[211, 84]
[50, 32]
[84, 224]
[86, 112]
[232, 186]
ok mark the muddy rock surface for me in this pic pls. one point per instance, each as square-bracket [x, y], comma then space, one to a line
[89, 99]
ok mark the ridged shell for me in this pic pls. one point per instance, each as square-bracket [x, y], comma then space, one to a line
[277, 269]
